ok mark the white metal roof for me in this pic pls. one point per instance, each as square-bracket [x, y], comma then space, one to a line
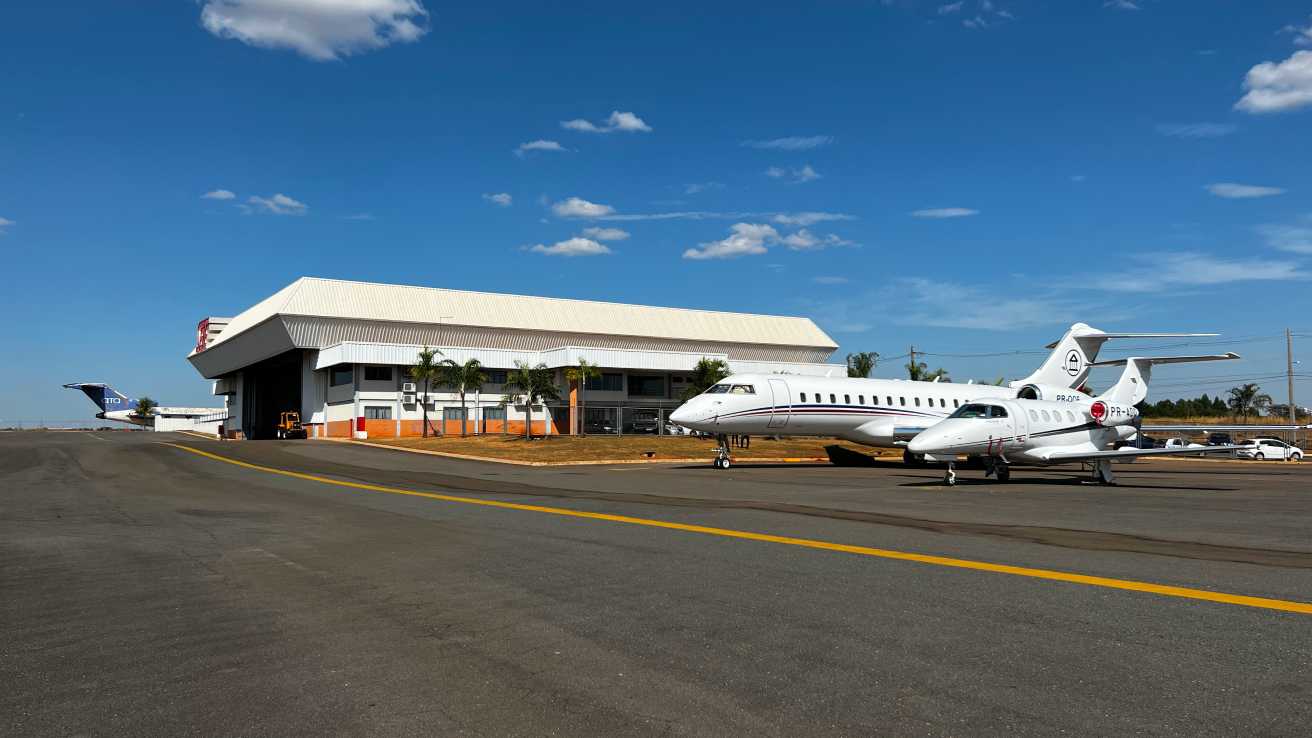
[330, 298]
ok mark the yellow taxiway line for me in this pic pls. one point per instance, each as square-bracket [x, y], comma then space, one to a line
[1194, 594]
[98, 438]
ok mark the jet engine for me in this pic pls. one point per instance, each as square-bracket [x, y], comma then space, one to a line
[1051, 393]
[1105, 413]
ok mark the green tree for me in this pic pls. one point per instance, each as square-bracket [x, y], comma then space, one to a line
[1248, 398]
[145, 406]
[581, 374]
[538, 383]
[704, 376]
[424, 370]
[466, 377]
[861, 363]
[919, 372]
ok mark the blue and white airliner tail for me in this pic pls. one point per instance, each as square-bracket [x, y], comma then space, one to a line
[120, 408]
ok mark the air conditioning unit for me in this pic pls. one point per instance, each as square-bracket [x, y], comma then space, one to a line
[408, 399]
[409, 389]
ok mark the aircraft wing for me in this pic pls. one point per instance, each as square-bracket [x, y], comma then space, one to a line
[1228, 356]
[1131, 452]
[1196, 429]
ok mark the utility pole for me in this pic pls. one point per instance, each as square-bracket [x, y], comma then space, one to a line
[912, 370]
[1289, 357]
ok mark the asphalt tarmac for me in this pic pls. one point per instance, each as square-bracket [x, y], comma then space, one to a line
[147, 590]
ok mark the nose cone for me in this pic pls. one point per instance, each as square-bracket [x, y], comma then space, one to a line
[928, 441]
[693, 415]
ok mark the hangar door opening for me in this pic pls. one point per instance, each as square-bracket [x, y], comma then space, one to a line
[269, 389]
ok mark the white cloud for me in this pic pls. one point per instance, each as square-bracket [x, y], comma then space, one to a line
[616, 122]
[280, 205]
[539, 145]
[1122, 4]
[1195, 130]
[976, 22]
[804, 240]
[747, 239]
[805, 174]
[944, 213]
[695, 188]
[945, 9]
[1302, 36]
[806, 219]
[792, 143]
[1276, 87]
[4, 223]
[320, 30]
[1232, 191]
[1290, 238]
[1078, 177]
[218, 195]
[775, 172]
[829, 280]
[361, 216]
[1190, 269]
[606, 234]
[572, 247]
[501, 199]
[576, 207]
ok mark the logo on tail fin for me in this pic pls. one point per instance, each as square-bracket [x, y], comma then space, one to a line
[1074, 363]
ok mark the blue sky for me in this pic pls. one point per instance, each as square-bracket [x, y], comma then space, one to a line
[968, 177]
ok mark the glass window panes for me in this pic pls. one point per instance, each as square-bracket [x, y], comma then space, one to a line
[494, 413]
[1045, 416]
[607, 383]
[497, 376]
[378, 373]
[1034, 416]
[377, 413]
[338, 377]
[452, 413]
[640, 386]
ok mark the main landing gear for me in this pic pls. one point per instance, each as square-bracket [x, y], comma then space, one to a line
[721, 451]
[1102, 472]
[996, 465]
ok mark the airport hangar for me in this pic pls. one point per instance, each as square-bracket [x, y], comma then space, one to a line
[338, 353]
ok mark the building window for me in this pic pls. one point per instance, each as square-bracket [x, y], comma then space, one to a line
[677, 380]
[339, 377]
[606, 383]
[646, 386]
[378, 373]
[453, 413]
[377, 413]
[495, 376]
[494, 413]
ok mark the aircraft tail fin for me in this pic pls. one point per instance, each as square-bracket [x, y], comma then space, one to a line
[103, 395]
[1076, 353]
[1133, 385]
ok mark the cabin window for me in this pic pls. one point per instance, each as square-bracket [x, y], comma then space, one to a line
[1070, 416]
[742, 389]
[803, 397]
[903, 400]
[1034, 416]
[847, 399]
[833, 400]
[874, 399]
[997, 411]
[972, 411]
[1045, 416]
[955, 403]
[917, 402]
[860, 399]
[377, 413]
[718, 389]
[890, 401]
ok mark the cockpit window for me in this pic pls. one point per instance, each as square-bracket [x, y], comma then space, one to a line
[718, 389]
[972, 411]
[742, 389]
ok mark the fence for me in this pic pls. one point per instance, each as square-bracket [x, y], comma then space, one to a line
[554, 420]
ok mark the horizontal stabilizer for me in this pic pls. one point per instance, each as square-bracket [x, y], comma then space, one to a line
[1196, 429]
[1155, 360]
[1053, 345]
[1126, 453]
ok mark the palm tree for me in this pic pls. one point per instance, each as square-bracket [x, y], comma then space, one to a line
[704, 376]
[538, 383]
[581, 374]
[860, 364]
[1248, 398]
[920, 372]
[424, 370]
[466, 377]
[144, 407]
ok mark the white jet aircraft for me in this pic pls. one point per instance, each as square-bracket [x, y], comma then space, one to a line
[878, 412]
[115, 406]
[1046, 431]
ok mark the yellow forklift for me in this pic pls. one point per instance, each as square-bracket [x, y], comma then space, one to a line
[290, 426]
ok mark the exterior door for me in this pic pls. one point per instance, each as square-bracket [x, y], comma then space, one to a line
[783, 403]
[1020, 427]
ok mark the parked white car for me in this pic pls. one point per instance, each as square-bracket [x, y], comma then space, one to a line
[1262, 449]
[1178, 443]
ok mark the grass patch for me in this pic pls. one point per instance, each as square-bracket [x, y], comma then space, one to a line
[625, 448]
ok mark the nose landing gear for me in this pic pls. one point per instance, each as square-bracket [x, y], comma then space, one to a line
[950, 477]
[721, 451]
